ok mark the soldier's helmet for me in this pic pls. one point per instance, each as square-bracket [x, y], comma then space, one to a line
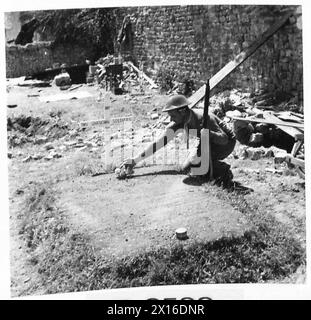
[176, 102]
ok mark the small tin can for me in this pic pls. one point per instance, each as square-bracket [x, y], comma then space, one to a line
[181, 234]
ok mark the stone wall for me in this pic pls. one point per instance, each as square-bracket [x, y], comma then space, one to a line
[36, 57]
[197, 41]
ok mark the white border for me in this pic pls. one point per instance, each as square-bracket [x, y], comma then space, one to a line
[221, 291]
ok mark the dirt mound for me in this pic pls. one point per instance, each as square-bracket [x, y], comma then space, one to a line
[23, 129]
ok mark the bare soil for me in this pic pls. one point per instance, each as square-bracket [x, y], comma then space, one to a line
[125, 217]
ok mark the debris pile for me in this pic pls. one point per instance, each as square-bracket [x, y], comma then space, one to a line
[111, 72]
[51, 155]
[105, 61]
[23, 129]
[247, 104]
[245, 152]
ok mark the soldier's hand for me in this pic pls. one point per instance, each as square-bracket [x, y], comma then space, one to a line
[128, 164]
[125, 169]
[179, 168]
[183, 168]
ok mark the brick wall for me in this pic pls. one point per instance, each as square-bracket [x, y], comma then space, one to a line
[197, 41]
[36, 57]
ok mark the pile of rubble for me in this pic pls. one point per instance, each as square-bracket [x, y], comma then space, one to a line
[120, 76]
[23, 129]
[245, 152]
[105, 61]
[56, 150]
[238, 103]
[96, 142]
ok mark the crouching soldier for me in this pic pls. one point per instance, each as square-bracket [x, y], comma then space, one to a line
[221, 138]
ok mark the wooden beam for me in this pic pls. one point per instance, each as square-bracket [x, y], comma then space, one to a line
[274, 122]
[297, 145]
[293, 129]
[295, 161]
[153, 84]
[240, 58]
[288, 116]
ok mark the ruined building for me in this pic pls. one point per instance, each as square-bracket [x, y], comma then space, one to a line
[195, 42]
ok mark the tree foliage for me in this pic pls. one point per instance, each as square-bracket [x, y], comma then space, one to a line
[94, 28]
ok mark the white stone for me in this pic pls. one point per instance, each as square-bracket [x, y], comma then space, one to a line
[154, 116]
[28, 158]
[279, 157]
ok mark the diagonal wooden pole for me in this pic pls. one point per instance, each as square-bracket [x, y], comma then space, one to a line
[240, 58]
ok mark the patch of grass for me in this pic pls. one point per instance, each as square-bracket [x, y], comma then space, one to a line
[64, 258]
[249, 258]
[67, 262]
[253, 209]
[86, 164]
[37, 227]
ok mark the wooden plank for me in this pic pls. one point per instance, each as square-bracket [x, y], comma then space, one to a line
[295, 161]
[276, 123]
[288, 116]
[153, 84]
[240, 58]
[93, 122]
[293, 129]
[75, 87]
[301, 116]
[112, 121]
[293, 132]
[296, 147]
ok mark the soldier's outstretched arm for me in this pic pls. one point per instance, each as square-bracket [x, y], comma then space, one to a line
[152, 148]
